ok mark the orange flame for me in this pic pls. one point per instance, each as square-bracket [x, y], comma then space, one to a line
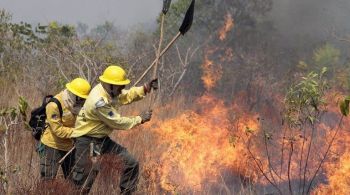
[338, 166]
[200, 145]
[229, 24]
[211, 72]
[339, 179]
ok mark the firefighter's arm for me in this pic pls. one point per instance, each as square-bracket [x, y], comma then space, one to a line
[55, 122]
[132, 95]
[113, 119]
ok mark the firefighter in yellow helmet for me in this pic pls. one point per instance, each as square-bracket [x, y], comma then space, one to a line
[97, 120]
[56, 141]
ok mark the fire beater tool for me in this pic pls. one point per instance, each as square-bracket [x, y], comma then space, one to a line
[185, 26]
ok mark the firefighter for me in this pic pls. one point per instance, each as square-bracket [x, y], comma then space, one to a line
[97, 120]
[56, 141]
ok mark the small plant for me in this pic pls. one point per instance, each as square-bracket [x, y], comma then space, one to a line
[303, 100]
[8, 118]
[326, 56]
[294, 154]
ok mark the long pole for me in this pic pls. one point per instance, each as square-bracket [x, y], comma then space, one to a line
[156, 60]
[65, 156]
[153, 93]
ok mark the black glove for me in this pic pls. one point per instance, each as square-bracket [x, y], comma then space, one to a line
[153, 84]
[146, 116]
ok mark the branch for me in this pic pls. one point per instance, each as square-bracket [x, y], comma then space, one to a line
[325, 155]
[289, 163]
[185, 64]
[57, 64]
[308, 153]
[333, 34]
[271, 169]
[259, 165]
[282, 152]
[178, 82]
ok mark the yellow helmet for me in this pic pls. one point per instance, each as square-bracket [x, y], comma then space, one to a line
[79, 87]
[114, 75]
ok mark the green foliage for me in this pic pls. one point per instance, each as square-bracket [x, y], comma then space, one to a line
[344, 106]
[4, 16]
[63, 30]
[305, 99]
[3, 178]
[27, 51]
[329, 56]
[6, 113]
[12, 112]
[22, 107]
[248, 130]
[303, 65]
[326, 56]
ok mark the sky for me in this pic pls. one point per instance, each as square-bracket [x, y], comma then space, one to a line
[124, 13]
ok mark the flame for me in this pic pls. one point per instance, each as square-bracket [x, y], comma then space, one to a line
[200, 145]
[339, 179]
[228, 26]
[211, 72]
[202, 142]
[338, 167]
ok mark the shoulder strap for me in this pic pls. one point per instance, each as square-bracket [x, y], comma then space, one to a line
[58, 105]
[46, 98]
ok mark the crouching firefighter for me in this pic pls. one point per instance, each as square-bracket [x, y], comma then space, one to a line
[61, 115]
[97, 120]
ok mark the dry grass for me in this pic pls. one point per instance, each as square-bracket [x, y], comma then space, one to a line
[23, 174]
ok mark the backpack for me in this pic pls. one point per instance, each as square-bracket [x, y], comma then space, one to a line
[38, 117]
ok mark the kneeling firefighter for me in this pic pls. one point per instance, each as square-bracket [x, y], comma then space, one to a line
[97, 120]
[56, 141]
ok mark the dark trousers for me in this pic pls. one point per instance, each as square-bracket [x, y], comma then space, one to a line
[49, 158]
[84, 173]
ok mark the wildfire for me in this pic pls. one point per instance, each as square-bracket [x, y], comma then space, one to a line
[339, 180]
[202, 143]
[338, 167]
[211, 72]
[228, 26]
[200, 146]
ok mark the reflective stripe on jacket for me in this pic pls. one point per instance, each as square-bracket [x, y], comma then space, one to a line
[100, 115]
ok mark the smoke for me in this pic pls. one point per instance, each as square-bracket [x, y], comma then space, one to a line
[311, 19]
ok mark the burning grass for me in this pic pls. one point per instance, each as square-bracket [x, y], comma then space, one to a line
[200, 149]
[211, 146]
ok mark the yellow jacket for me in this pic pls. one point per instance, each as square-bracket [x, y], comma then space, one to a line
[57, 134]
[99, 115]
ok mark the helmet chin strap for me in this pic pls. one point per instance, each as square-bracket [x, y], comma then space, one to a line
[112, 91]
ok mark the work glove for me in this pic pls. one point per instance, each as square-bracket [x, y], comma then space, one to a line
[146, 116]
[153, 84]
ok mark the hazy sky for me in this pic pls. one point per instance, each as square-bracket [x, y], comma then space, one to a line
[92, 12]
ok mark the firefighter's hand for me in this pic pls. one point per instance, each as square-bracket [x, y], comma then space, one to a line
[153, 84]
[146, 116]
